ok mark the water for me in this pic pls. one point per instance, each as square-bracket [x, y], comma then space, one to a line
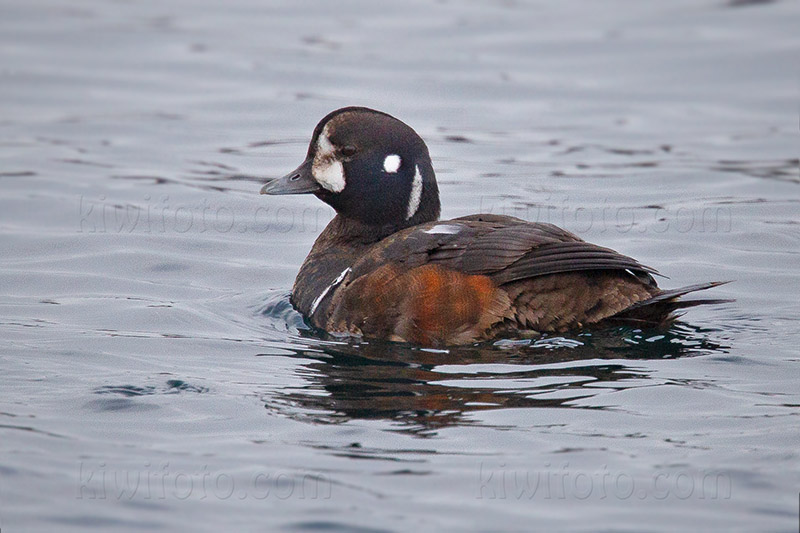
[153, 375]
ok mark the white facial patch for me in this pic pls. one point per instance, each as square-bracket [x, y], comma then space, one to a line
[326, 169]
[416, 193]
[392, 163]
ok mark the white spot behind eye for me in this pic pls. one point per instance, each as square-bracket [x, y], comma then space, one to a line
[328, 172]
[416, 194]
[392, 163]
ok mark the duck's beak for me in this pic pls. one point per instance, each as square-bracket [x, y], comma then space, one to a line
[298, 181]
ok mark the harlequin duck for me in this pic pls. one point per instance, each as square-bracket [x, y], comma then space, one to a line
[386, 267]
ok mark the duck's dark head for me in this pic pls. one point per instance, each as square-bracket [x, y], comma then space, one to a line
[369, 167]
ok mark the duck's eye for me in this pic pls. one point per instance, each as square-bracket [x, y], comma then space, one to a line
[348, 151]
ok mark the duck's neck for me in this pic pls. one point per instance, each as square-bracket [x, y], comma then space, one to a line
[344, 231]
[349, 231]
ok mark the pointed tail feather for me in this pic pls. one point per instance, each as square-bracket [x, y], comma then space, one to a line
[661, 308]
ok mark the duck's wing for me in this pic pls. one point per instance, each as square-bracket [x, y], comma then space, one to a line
[506, 249]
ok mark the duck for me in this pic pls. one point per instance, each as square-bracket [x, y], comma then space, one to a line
[387, 268]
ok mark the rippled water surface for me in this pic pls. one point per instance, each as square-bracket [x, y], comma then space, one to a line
[154, 376]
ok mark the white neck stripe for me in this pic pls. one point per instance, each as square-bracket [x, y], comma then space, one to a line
[416, 194]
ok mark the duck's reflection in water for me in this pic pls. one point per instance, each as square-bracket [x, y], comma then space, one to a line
[423, 390]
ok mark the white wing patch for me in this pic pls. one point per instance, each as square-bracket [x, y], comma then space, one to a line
[416, 194]
[392, 163]
[444, 229]
[324, 293]
[326, 169]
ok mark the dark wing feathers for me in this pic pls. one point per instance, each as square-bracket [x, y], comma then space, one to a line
[567, 257]
[494, 247]
[504, 248]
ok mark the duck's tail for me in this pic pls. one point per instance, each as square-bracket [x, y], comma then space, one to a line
[662, 308]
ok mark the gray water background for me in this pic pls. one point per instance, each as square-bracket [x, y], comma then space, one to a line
[153, 375]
